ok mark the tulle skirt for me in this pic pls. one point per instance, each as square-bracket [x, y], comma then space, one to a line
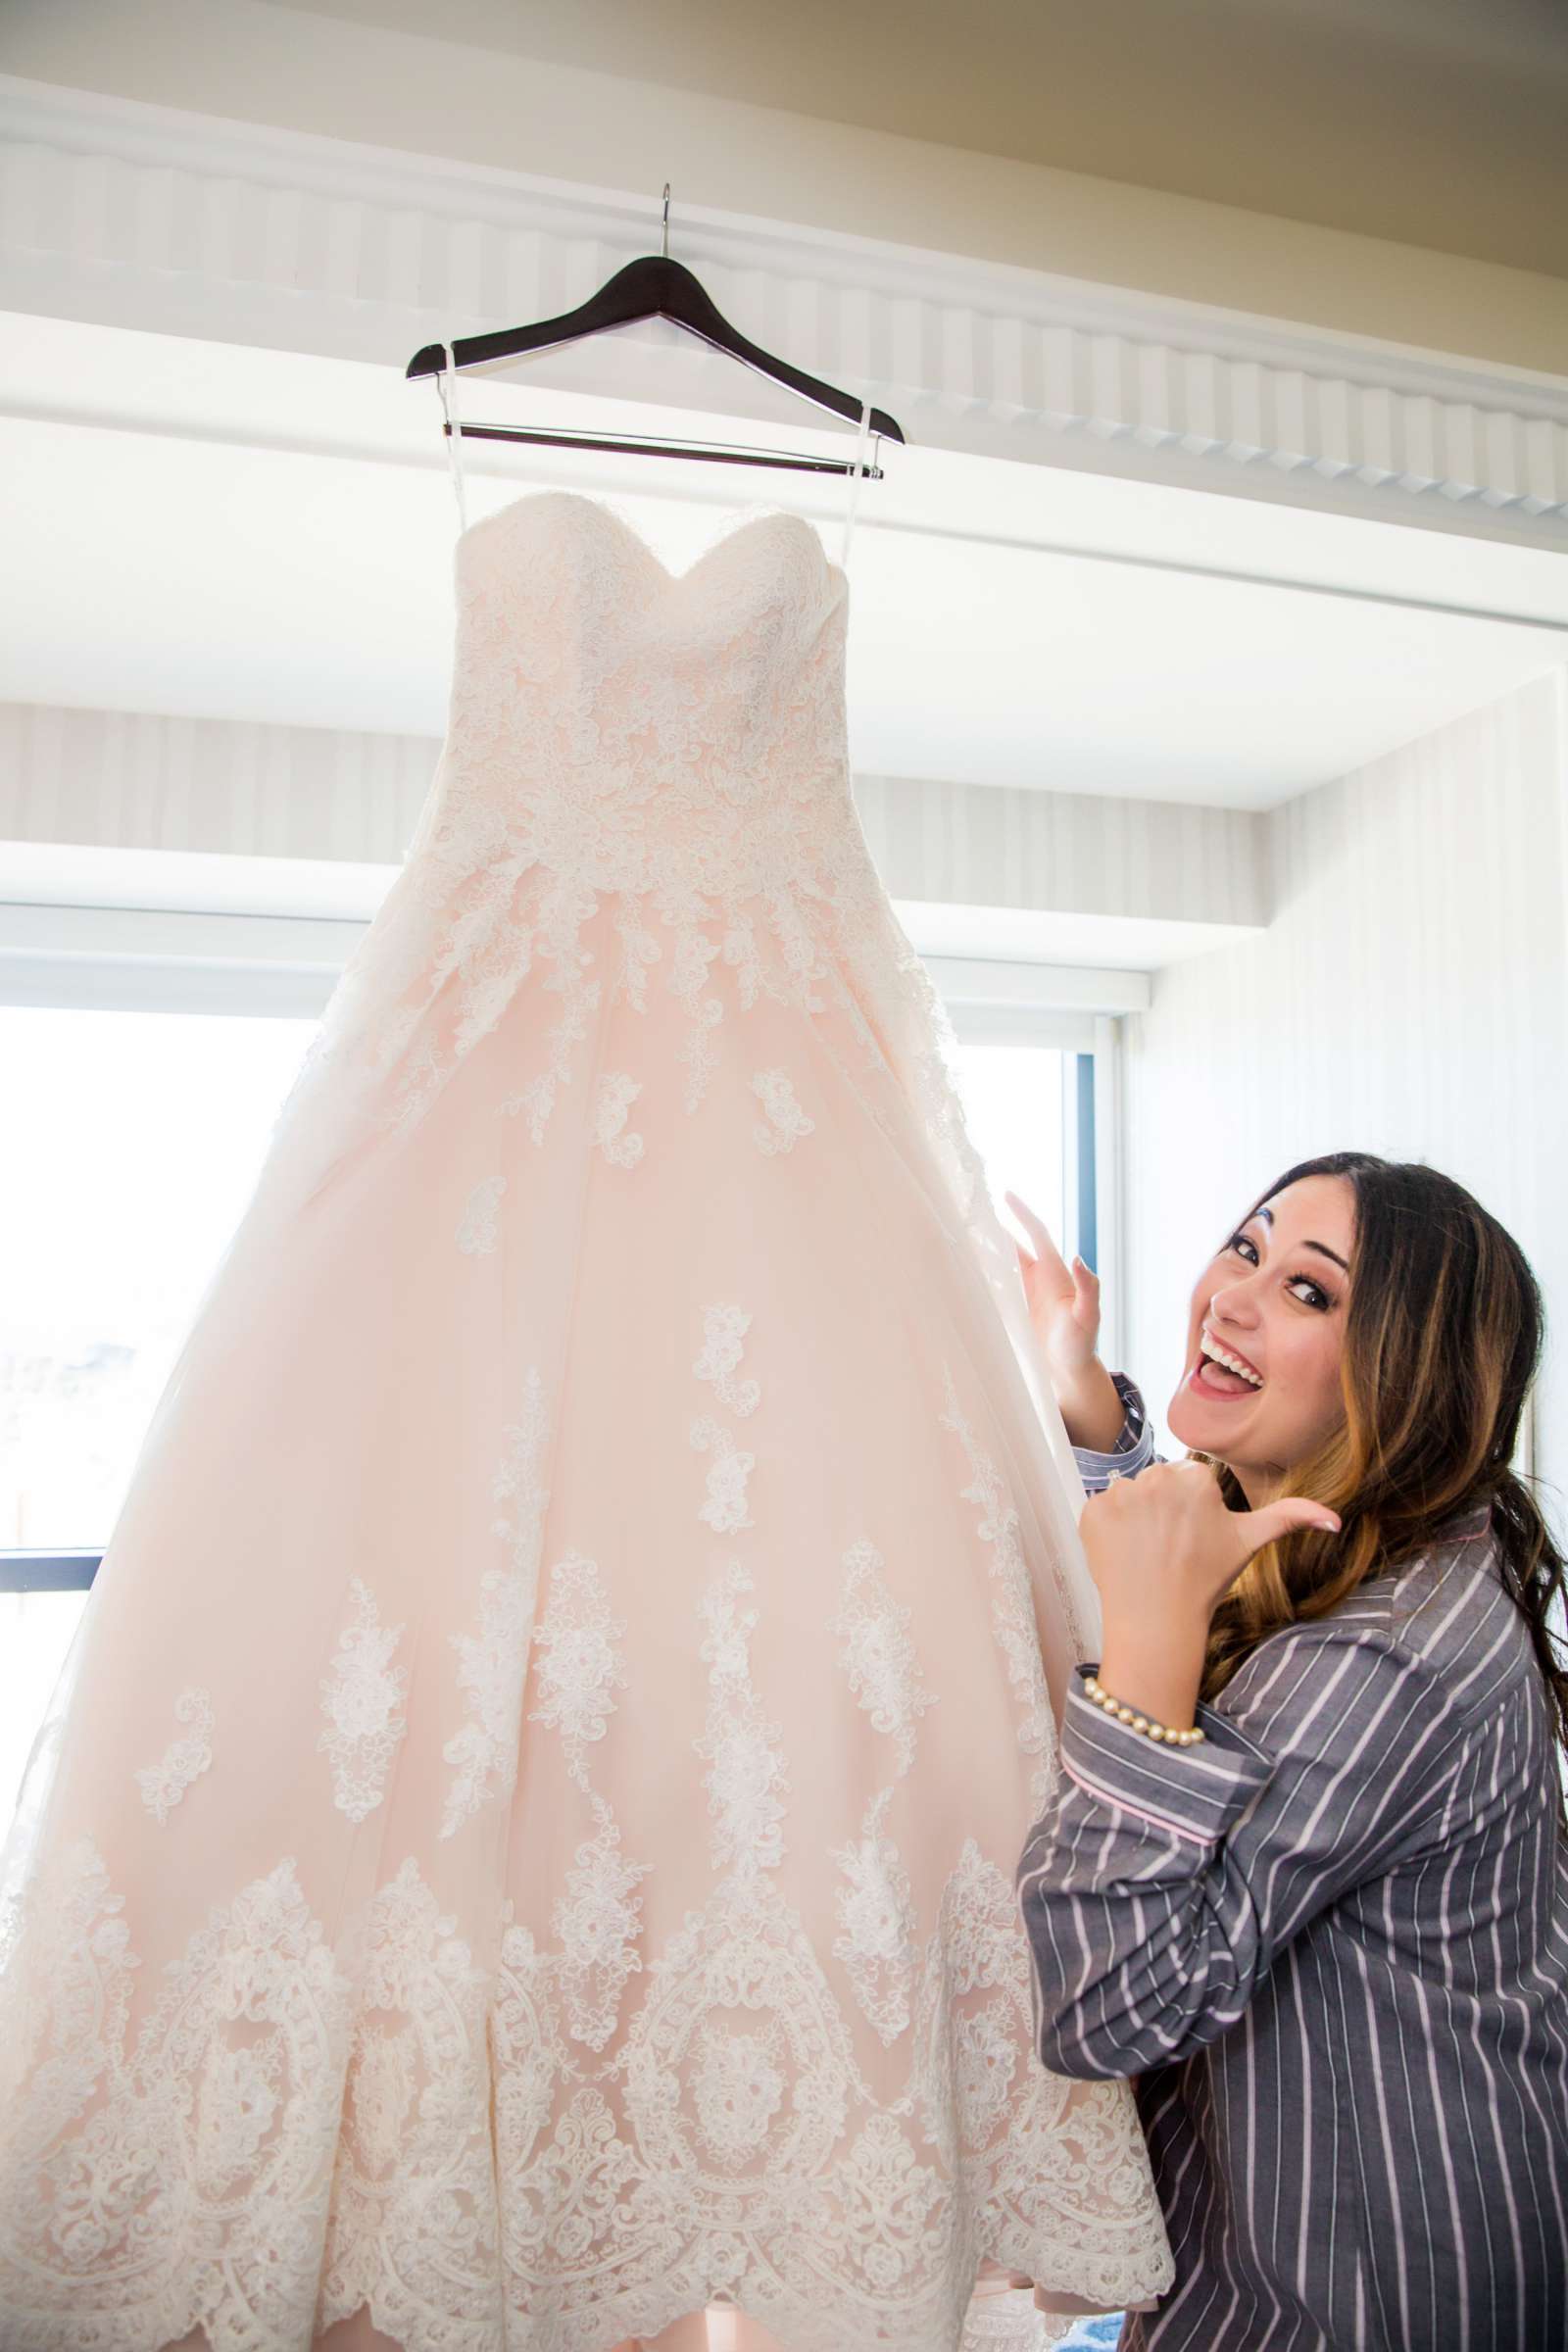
[522, 1848]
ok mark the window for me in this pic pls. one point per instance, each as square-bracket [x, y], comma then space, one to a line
[1019, 1121]
[147, 1131]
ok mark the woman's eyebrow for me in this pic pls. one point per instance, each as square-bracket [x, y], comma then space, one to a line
[1266, 1216]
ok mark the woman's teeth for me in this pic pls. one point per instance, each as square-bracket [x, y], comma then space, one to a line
[1228, 1374]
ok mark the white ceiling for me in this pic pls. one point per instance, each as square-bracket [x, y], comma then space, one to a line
[213, 531]
[1437, 122]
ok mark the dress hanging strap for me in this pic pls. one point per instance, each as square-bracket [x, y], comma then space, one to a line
[447, 387]
[856, 476]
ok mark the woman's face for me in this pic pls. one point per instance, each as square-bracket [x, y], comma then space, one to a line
[1273, 1303]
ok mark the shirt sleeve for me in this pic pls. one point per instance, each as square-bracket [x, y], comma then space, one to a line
[1161, 1883]
[1133, 1450]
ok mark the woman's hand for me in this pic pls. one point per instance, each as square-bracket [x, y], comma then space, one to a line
[1164, 1550]
[1064, 1310]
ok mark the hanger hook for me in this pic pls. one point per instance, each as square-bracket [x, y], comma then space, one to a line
[667, 219]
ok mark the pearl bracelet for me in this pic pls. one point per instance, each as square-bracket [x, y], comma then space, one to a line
[1145, 1724]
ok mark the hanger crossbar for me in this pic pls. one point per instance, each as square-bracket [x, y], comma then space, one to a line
[657, 444]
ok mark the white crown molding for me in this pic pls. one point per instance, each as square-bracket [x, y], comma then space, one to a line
[133, 215]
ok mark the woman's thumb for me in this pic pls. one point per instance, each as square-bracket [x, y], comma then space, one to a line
[1282, 1518]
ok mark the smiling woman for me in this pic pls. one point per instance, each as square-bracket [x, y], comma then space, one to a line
[1393, 1399]
[1310, 1834]
[1271, 1306]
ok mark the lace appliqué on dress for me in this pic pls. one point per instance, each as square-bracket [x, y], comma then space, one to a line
[478, 1227]
[597, 1918]
[738, 2087]
[163, 1784]
[725, 1510]
[878, 1656]
[207, 2127]
[876, 1913]
[243, 2058]
[493, 1663]
[875, 1906]
[1012, 1609]
[745, 1778]
[785, 1123]
[724, 1330]
[694, 953]
[615, 1096]
[578, 1670]
[361, 1698]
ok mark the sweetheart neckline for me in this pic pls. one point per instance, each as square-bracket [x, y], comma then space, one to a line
[673, 579]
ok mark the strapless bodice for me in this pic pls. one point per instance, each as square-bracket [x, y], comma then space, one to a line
[581, 650]
[642, 730]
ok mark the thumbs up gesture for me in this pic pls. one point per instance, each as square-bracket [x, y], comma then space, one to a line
[1163, 1550]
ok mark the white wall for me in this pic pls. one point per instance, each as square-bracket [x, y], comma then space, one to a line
[1409, 997]
[245, 789]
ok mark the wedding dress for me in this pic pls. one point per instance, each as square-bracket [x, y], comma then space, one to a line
[523, 1847]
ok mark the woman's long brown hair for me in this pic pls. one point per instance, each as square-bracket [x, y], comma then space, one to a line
[1441, 1343]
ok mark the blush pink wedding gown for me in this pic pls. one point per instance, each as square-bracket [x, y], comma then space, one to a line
[522, 1848]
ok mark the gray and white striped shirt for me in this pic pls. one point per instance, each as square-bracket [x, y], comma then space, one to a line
[1332, 1944]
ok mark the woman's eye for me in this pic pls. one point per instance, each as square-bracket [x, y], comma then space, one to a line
[1317, 1296]
[1243, 1248]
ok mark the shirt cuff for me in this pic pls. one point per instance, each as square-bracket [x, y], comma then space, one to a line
[1196, 1792]
[1133, 1450]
